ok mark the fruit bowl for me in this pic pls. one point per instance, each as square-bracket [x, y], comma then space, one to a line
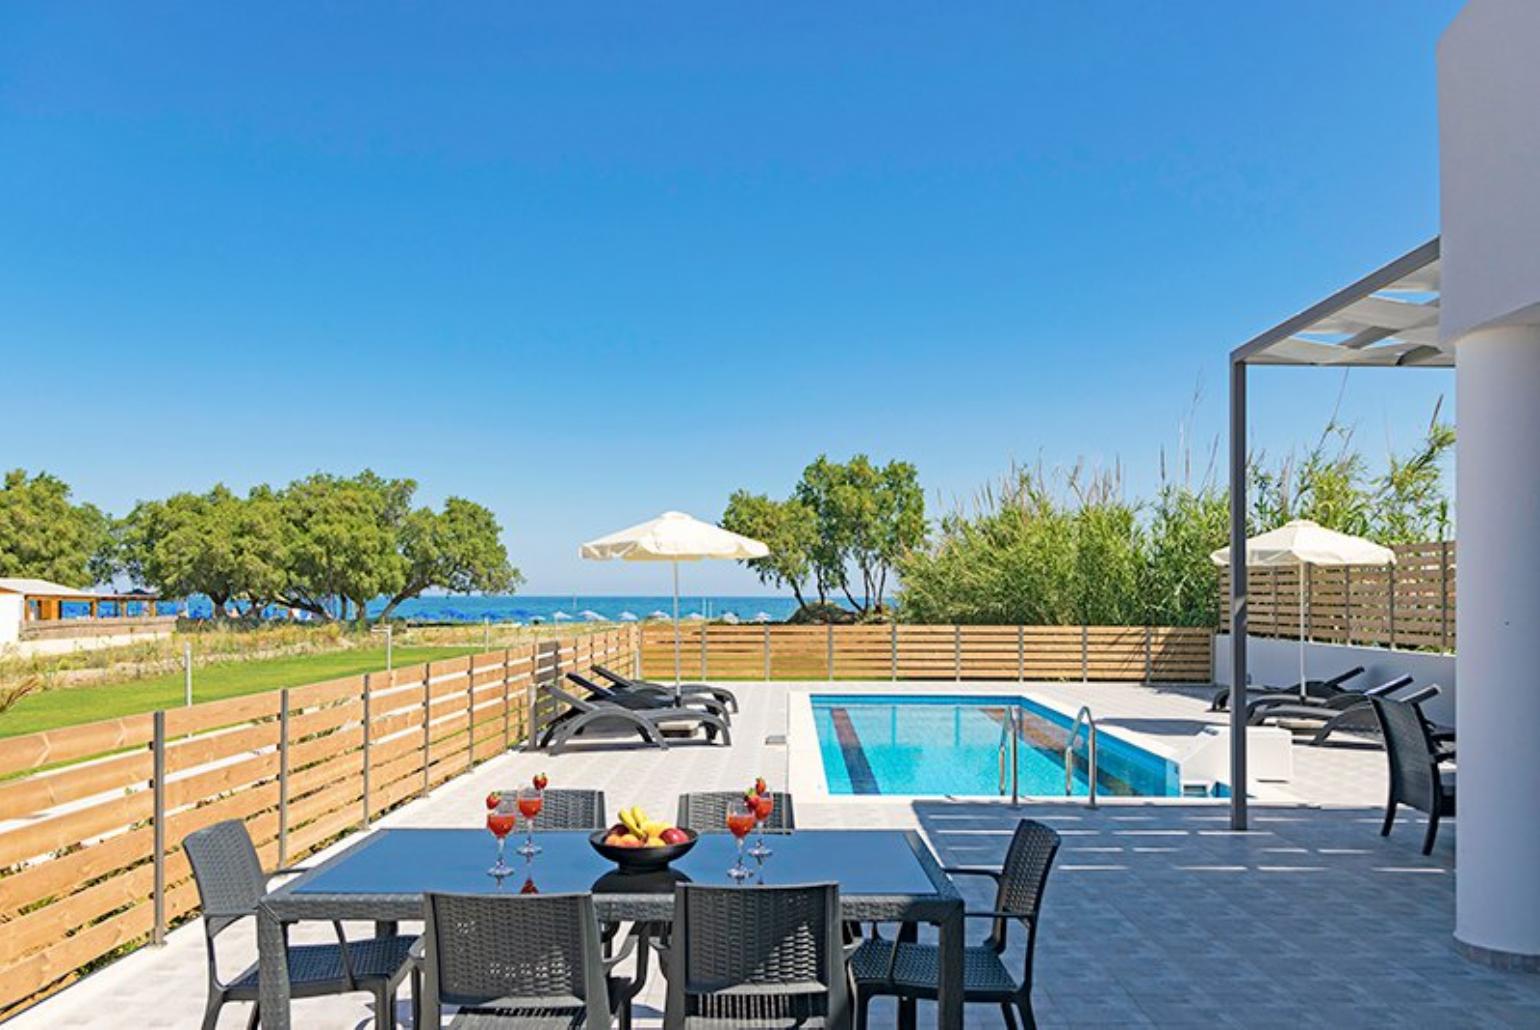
[641, 859]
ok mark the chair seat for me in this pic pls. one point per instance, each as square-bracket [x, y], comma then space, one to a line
[917, 970]
[317, 968]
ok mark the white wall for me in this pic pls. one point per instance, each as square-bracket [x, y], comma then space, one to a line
[1275, 663]
[1489, 164]
[12, 608]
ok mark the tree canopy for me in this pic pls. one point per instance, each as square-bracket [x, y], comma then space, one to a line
[46, 535]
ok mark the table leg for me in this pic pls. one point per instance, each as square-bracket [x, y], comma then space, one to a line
[908, 1008]
[949, 1001]
[273, 967]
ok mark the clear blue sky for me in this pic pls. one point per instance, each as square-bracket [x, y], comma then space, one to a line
[585, 263]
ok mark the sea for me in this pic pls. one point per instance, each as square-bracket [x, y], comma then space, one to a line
[549, 608]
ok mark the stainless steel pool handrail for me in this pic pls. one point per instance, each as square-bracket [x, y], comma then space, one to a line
[1010, 731]
[1082, 718]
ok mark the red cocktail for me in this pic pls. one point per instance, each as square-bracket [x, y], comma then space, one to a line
[763, 805]
[530, 803]
[500, 822]
[740, 821]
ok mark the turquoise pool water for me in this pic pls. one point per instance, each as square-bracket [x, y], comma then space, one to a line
[949, 744]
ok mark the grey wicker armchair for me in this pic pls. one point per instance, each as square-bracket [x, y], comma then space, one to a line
[756, 956]
[909, 970]
[569, 809]
[1414, 756]
[706, 811]
[230, 885]
[518, 962]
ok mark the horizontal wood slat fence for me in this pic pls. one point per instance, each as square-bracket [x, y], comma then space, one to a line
[92, 816]
[1410, 604]
[1153, 654]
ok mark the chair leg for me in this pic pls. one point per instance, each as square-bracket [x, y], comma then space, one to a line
[1028, 1018]
[1427, 842]
[908, 1014]
[211, 1011]
[1390, 817]
[416, 996]
[255, 1017]
[863, 1001]
[384, 1008]
[1009, 1013]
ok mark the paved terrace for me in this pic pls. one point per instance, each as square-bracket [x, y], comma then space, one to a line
[1156, 913]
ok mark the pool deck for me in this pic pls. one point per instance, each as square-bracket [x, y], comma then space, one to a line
[1156, 913]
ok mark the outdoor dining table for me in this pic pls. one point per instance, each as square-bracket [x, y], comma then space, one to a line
[883, 875]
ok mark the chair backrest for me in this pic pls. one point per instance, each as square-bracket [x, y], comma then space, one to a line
[514, 951]
[1023, 876]
[228, 873]
[745, 954]
[593, 689]
[568, 809]
[1413, 769]
[706, 812]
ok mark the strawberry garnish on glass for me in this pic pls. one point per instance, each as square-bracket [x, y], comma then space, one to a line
[762, 805]
[492, 800]
[760, 786]
[540, 780]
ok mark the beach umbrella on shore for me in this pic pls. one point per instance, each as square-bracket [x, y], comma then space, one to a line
[761, 616]
[589, 615]
[627, 616]
[673, 537]
[559, 616]
[1302, 543]
[658, 615]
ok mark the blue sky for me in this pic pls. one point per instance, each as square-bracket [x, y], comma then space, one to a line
[587, 264]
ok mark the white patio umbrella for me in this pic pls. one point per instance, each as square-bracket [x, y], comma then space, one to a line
[627, 616]
[589, 615]
[1300, 543]
[673, 537]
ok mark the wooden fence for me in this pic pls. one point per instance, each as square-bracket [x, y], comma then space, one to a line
[92, 816]
[1410, 604]
[1122, 653]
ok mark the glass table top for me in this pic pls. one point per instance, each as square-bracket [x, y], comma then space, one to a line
[414, 861]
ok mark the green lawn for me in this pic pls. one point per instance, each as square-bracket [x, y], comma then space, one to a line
[70, 705]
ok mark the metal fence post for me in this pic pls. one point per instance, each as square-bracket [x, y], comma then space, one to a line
[704, 628]
[829, 647]
[283, 777]
[470, 713]
[1347, 604]
[767, 652]
[893, 651]
[1443, 595]
[1392, 569]
[368, 718]
[1149, 656]
[636, 651]
[158, 785]
[507, 699]
[427, 731]
[531, 694]
[1021, 654]
[1085, 653]
[957, 652]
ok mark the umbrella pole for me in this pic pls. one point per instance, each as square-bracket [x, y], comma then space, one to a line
[676, 630]
[1304, 692]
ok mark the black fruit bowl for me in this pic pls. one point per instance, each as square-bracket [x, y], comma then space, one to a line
[641, 860]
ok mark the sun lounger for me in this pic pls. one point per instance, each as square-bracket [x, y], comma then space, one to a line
[607, 718]
[721, 694]
[1313, 689]
[648, 700]
[1289, 706]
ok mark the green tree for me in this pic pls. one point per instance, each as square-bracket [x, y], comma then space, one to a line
[788, 528]
[458, 549]
[867, 519]
[341, 539]
[44, 534]
[216, 544]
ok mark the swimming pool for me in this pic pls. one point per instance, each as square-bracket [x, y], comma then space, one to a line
[949, 744]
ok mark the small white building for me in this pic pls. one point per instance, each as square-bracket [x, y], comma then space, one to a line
[40, 617]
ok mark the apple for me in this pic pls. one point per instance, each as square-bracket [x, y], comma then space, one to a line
[541, 779]
[674, 835]
[493, 800]
[629, 841]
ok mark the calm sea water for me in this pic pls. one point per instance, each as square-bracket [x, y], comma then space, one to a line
[568, 607]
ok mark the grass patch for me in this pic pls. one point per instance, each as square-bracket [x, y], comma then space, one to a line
[52, 709]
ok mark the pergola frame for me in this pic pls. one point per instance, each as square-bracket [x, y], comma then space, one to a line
[1387, 319]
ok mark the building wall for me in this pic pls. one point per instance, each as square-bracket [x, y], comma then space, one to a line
[1489, 136]
[12, 610]
[1275, 663]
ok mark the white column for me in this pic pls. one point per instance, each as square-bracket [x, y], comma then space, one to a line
[1497, 913]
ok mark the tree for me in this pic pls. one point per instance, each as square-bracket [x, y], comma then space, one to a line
[43, 534]
[457, 549]
[867, 517]
[214, 544]
[788, 528]
[341, 540]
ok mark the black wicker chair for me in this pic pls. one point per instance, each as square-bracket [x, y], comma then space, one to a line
[909, 970]
[756, 957]
[518, 962]
[230, 885]
[706, 811]
[1415, 779]
[568, 809]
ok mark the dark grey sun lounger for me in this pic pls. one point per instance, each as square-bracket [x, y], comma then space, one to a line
[1320, 689]
[1289, 706]
[722, 694]
[648, 700]
[608, 718]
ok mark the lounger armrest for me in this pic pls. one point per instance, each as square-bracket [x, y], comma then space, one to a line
[1389, 688]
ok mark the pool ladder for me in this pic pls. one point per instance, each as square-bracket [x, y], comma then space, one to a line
[1010, 733]
[1086, 719]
